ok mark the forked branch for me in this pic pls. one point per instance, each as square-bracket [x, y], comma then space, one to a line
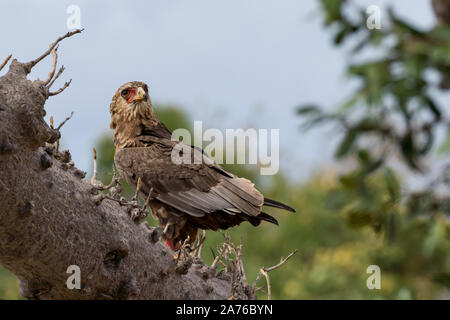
[53, 69]
[265, 272]
[60, 71]
[31, 64]
[60, 89]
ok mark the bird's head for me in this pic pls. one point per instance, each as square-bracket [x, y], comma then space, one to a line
[131, 102]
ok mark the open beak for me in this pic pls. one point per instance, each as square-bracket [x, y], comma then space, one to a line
[140, 95]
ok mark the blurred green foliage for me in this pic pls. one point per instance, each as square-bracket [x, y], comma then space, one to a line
[346, 222]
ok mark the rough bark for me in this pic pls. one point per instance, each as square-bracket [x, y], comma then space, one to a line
[50, 218]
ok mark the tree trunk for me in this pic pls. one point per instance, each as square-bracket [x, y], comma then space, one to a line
[51, 219]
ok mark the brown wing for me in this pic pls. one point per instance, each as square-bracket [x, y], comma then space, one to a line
[194, 189]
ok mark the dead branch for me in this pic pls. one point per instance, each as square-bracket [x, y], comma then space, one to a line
[29, 65]
[66, 84]
[5, 62]
[217, 260]
[282, 261]
[94, 181]
[197, 250]
[50, 219]
[60, 71]
[265, 272]
[53, 69]
[65, 120]
[269, 290]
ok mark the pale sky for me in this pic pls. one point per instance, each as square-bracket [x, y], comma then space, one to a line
[232, 64]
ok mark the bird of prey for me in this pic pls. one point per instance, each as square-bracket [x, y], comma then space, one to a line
[182, 197]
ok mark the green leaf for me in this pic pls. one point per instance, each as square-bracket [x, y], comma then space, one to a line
[308, 109]
[409, 152]
[432, 106]
[346, 143]
[364, 156]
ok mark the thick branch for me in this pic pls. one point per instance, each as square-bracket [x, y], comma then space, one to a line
[50, 219]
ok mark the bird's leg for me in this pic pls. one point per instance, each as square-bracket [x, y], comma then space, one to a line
[138, 188]
[138, 213]
[186, 244]
[185, 249]
[149, 198]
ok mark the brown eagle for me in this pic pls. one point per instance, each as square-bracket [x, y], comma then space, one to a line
[184, 197]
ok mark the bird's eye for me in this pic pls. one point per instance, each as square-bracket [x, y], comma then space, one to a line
[145, 88]
[125, 92]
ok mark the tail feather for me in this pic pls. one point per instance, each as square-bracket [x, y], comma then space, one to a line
[255, 221]
[276, 204]
[268, 218]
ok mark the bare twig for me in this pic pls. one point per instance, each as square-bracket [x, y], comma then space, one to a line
[240, 264]
[53, 69]
[60, 71]
[217, 260]
[65, 120]
[226, 250]
[259, 289]
[197, 250]
[269, 291]
[265, 272]
[149, 197]
[94, 176]
[31, 64]
[138, 188]
[60, 89]
[5, 62]
[96, 183]
[282, 261]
